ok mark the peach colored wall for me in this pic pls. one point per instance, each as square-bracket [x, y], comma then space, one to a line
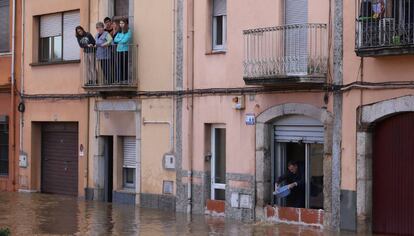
[381, 69]
[49, 111]
[5, 62]
[50, 79]
[226, 70]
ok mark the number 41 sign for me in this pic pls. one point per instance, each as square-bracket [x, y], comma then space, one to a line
[250, 119]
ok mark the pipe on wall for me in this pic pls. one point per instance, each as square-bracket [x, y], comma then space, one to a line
[13, 82]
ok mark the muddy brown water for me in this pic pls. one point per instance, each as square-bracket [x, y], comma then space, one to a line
[43, 214]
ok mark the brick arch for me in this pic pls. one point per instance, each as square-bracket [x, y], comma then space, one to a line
[264, 127]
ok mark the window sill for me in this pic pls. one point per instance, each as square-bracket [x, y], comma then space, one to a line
[4, 176]
[126, 190]
[216, 52]
[54, 63]
[5, 54]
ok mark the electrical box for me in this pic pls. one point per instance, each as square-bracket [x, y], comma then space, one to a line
[23, 160]
[167, 187]
[169, 162]
[239, 102]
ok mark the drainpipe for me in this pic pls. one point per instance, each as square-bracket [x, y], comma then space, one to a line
[21, 117]
[173, 46]
[13, 82]
[190, 85]
[88, 115]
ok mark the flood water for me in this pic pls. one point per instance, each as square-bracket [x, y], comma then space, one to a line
[42, 214]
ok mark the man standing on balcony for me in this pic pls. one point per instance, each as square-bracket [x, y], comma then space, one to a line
[108, 26]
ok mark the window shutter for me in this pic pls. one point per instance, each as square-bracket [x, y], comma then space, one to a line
[219, 8]
[122, 8]
[51, 25]
[299, 128]
[4, 26]
[296, 12]
[70, 44]
[130, 152]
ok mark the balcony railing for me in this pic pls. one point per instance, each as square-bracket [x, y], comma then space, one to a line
[296, 53]
[106, 69]
[384, 27]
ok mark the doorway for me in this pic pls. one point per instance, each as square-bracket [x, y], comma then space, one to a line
[299, 140]
[393, 181]
[218, 162]
[108, 171]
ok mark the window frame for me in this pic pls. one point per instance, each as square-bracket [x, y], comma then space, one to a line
[8, 50]
[126, 184]
[51, 57]
[219, 47]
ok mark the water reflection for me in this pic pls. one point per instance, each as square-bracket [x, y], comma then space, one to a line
[37, 214]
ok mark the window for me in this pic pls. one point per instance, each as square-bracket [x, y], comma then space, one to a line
[4, 26]
[298, 157]
[219, 25]
[57, 37]
[130, 153]
[121, 8]
[4, 145]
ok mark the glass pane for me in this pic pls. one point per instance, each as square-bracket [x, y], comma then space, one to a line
[4, 139]
[316, 176]
[219, 30]
[45, 49]
[57, 47]
[219, 194]
[4, 167]
[295, 154]
[4, 152]
[129, 175]
[220, 155]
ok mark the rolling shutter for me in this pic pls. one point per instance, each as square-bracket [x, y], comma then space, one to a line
[121, 8]
[130, 152]
[299, 129]
[296, 12]
[51, 25]
[219, 8]
[4, 26]
[70, 44]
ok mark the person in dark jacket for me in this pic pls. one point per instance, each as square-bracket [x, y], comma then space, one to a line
[295, 179]
[87, 42]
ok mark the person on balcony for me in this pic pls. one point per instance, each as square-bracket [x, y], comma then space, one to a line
[108, 26]
[87, 42]
[123, 41]
[103, 55]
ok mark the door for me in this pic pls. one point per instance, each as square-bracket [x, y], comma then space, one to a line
[59, 158]
[296, 37]
[218, 162]
[393, 178]
[108, 168]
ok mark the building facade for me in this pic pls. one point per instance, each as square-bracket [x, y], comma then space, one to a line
[261, 72]
[10, 72]
[377, 117]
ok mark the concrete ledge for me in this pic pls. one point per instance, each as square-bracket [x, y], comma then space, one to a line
[302, 216]
[158, 201]
[123, 197]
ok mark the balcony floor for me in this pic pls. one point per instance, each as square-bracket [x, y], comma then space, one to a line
[287, 81]
[111, 88]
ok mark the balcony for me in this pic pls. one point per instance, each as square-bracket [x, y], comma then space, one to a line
[283, 55]
[106, 70]
[384, 28]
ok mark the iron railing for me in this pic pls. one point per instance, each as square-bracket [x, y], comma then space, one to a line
[286, 51]
[384, 23]
[108, 68]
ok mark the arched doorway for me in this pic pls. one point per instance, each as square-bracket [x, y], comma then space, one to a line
[393, 175]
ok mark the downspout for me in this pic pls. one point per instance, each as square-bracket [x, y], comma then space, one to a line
[89, 110]
[174, 22]
[190, 64]
[13, 82]
[21, 117]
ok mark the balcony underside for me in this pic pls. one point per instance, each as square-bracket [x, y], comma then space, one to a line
[385, 51]
[111, 88]
[314, 81]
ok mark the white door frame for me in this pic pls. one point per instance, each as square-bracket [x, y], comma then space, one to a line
[215, 185]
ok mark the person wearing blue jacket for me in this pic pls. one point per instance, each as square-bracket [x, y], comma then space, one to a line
[123, 41]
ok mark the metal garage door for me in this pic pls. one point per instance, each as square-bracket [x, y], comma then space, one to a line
[393, 178]
[60, 158]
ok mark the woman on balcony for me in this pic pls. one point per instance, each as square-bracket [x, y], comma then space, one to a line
[123, 41]
[103, 52]
[87, 42]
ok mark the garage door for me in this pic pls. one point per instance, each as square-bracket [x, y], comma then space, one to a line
[393, 177]
[60, 158]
